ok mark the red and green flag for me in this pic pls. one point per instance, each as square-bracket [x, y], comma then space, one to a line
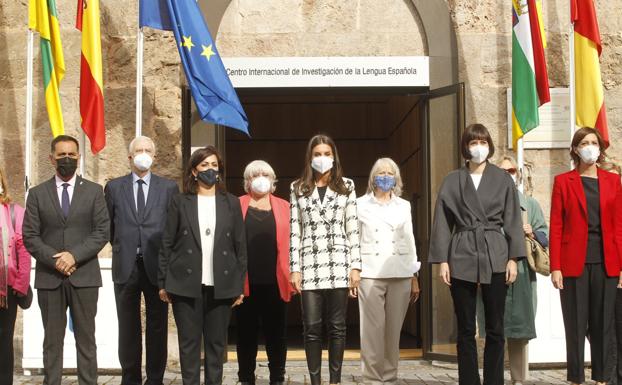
[43, 19]
[530, 83]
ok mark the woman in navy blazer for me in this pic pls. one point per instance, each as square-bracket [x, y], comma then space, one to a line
[585, 251]
[202, 265]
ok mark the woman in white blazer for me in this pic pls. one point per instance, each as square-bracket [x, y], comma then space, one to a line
[389, 275]
[324, 253]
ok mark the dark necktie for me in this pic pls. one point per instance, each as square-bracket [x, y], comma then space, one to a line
[140, 199]
[64, 202]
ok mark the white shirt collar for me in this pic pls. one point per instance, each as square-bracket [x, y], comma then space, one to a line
[59, 181]
[146, 178]
[374, 200]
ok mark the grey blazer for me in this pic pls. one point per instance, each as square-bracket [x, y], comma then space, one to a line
[477, 231]
[127, 230]
[83, 233]
[181, 261]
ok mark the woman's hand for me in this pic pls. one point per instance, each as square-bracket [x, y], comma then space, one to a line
[164, 296]
[558, 279]
[414, 290]
[238, 301]
[620, 281]
[296, 280]
[4, 303]
[353, 282]
[510, 272]
[528, 230]
[445, 273]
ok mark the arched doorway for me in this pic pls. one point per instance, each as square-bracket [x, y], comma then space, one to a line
[418, 128]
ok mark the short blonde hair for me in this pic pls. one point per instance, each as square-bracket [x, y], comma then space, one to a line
[514, 163]
[381, 163]
[139, 139]
[256, 168]
[5, 198]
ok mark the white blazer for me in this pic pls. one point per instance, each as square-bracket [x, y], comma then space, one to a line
[324, 239]
[386, 235]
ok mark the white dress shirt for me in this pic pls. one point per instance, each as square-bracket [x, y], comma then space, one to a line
[477, 178]
[59, 188]
[207, 226]
[387, 241]
[147, 180]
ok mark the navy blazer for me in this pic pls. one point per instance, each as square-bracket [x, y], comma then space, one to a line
[127, 229]
[180, 269]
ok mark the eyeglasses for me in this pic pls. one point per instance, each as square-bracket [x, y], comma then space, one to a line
[511, 171]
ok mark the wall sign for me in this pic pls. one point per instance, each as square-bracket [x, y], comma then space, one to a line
[369, 71]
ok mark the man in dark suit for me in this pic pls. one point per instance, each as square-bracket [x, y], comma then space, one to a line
[137, 205]
[65, 226]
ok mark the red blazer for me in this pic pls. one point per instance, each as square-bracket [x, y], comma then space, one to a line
[568, 234]
[280, 208]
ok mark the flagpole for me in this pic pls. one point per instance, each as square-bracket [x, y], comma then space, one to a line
[572, 82]
[82, 152]
[29, 99]
[520, 159]
[139, 82]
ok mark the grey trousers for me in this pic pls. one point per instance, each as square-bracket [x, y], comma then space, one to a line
[518, 355]
[383, 304]
[82, 304]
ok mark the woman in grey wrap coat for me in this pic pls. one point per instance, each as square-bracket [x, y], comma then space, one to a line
[477, 236]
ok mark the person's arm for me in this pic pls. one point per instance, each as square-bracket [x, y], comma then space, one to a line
[295, 234]
[240, 239]
[557, 226]
[108, 194]
[168, 241]
[409, 238]
[31, 233]
[23, 277]
[351, 224]
[513, 224]
[100, 232]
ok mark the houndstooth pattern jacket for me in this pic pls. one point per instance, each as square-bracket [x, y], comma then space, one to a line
[324, 238]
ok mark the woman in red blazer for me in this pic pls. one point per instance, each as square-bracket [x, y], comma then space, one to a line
[267, 289]
[586, 254]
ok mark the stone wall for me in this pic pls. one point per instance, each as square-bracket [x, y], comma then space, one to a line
[280, 28]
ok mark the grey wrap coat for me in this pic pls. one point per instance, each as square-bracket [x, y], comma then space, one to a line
[477, 231]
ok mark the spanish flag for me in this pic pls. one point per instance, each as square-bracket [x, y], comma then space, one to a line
[589, 95]
[530, 81]
[43, 18]
[91, 79]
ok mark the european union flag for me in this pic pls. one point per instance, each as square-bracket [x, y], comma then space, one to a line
[211, 88]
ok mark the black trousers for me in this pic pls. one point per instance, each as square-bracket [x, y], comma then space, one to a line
[464, 295]
[82, 304]
[263, 309]
[7, 328]
[127, 296]
[205, 317]
[616, 371]
[588, 304]
[319, 306]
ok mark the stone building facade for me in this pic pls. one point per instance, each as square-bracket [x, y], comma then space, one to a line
[282, 28]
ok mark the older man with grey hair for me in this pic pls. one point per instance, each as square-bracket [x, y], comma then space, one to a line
[137, 204]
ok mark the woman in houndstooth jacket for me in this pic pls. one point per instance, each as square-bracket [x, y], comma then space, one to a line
[324, 252]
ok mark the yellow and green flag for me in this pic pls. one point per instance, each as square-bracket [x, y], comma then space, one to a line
[43, 18]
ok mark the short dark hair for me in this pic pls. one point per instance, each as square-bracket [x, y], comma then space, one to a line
[476, 131]
[190, 182]
[579, 135]
[63, 138]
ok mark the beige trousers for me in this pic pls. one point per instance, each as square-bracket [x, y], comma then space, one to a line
[518, 355]
[383, 304]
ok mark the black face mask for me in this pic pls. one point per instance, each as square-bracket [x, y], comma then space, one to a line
[209, 177]
[66, 166]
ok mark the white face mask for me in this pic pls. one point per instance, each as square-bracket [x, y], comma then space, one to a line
[589, 154]
[261, 185]
[322, 163]
[143, 161]
[479, 153]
